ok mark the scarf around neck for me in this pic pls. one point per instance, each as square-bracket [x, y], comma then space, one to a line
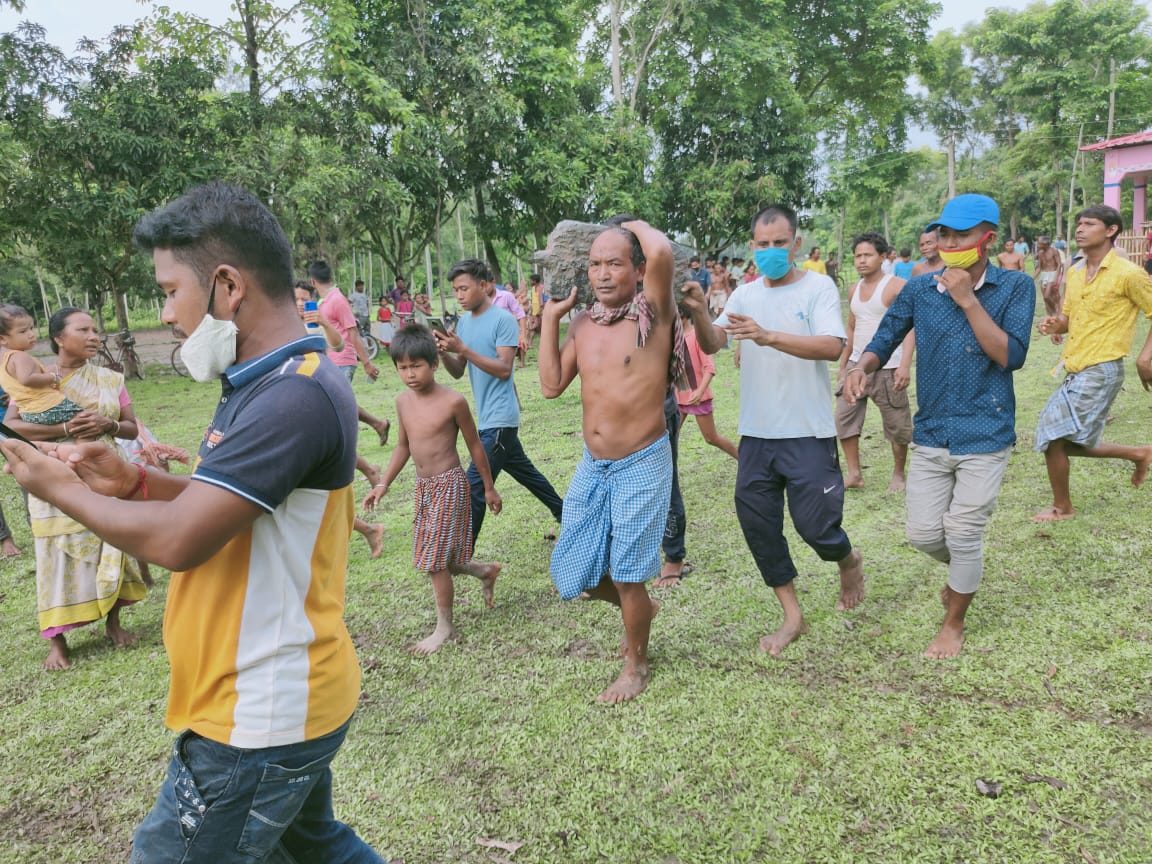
[639, 310]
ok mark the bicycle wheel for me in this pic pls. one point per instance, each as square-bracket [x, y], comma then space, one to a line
[134, 362]
[371, 346]
[178, 363]
[104, 358]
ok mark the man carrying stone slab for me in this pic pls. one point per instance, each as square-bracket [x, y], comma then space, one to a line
[623, 349]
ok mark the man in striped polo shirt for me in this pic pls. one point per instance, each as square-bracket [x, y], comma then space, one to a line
[264, 677]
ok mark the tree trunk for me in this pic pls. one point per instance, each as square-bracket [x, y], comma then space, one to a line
[1071, 189]
[460, 229]
[43, 294]
[617, 76]
[840, 241]
[120, 299]
[951, 165]
[251, 60]
[489, 249]
[1111, 96]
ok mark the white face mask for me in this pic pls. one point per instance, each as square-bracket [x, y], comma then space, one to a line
[211, 347]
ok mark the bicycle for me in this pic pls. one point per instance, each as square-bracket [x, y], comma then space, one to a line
[125, 357]
[371, 344]
[178, 362]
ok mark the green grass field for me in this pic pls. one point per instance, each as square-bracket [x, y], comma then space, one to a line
[851, 748]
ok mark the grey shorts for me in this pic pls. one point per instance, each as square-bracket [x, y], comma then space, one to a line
[893, 405]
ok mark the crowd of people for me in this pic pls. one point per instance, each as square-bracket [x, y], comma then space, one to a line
[263, 672]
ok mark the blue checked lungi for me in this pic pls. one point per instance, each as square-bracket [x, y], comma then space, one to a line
[1078, 410]
[613, 522]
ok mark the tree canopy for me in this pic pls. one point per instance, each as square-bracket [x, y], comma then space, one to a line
[379, 125]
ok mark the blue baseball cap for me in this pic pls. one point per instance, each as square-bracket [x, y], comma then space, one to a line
[965, 211]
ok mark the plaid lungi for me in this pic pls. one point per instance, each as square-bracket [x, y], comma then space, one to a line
[1078, 410]
[613, 522]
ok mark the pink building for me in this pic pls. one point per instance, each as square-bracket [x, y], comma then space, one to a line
[1130, 155]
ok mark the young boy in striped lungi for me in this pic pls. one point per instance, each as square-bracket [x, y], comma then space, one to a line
[430, 416]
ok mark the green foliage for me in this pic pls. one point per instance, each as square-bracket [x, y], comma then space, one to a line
[732, 132]
[851, 748]
[132, 135]
[367, 124]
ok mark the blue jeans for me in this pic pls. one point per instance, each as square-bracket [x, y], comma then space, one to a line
[505, 453]
[348, 371]
[222, 804]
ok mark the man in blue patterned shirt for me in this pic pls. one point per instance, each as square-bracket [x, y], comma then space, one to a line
[972, 323]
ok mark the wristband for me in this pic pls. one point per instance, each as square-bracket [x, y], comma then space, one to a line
[380, 486]
[66, 435]
[855, 369]
[140, 487]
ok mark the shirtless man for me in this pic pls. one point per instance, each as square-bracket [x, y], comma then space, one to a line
[615, 509]
[1050, 266]
[1010, 259]
[929, 248]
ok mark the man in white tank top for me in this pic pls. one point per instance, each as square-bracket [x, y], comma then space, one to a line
[887, 387]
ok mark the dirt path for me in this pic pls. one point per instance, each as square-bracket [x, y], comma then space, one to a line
[154, 345]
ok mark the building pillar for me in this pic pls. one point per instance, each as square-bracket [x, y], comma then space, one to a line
[1139, 203]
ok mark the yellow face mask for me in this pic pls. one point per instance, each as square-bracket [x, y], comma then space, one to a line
[964, 258]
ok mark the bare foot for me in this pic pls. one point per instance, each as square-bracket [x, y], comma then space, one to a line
[8, 549]
[120, 637]
[432, 644]
[851, 582]
[789, 632]
[947, 643]
[854, 480]
[1140, 474]
[487, 574]
[57, 659]
[382, 431]
[897, 484]
[629, 685]
[374, 534]
[1053, 514]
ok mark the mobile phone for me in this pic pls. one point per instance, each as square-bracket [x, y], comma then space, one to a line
[437, 324]
[5, 432]
[311, 306]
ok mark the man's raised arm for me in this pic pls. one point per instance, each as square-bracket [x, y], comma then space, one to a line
[659, 266]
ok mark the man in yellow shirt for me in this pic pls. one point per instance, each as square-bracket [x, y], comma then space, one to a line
[814, 263]
[1104, 294]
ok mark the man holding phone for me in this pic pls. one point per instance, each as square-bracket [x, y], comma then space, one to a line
[485, 343]
[263, 673]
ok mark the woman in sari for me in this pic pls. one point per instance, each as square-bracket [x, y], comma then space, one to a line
[79, 578]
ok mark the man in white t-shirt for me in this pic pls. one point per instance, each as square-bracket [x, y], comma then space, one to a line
[789, 328]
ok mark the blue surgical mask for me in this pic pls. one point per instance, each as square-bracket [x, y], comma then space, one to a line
[772, 262]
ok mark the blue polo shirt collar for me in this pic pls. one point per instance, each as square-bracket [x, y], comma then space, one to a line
[245, 373]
